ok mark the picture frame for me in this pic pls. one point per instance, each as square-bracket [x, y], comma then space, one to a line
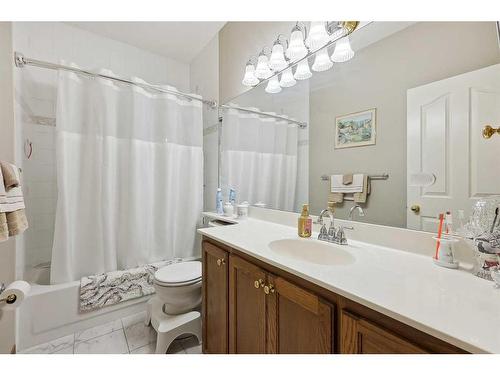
[356, 129]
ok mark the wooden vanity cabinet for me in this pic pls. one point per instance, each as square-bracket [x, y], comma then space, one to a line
[299, 322]
[247, 307]
[250, 306]
[215, 287]
[360, 336]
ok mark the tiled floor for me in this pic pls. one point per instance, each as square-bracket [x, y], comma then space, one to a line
[128, 335]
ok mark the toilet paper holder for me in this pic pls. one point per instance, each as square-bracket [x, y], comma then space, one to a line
[10, 299]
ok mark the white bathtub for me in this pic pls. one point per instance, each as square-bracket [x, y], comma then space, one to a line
[52, 311]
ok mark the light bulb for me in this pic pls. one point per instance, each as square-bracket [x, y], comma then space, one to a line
[302, 71]
[273, 86]
[277, 61]
[296, 49]
[249, 79]
[287, 79]
[343, 51]
[322, 61]
[262, 71]
[318, 36]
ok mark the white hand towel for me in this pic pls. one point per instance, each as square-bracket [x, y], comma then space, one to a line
[337, 185]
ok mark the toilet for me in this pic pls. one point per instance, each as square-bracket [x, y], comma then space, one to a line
[171, 311]
[178, 286]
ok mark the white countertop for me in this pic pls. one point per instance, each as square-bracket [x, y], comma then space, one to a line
[453, 305]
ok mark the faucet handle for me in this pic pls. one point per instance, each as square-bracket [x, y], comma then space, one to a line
[331, 231]
[323, 233]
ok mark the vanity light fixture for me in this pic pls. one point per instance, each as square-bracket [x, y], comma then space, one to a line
[287, 79]
[277, 60]
[343, 51]
[285, 55]
[303, 71]
[262, 70]
[318, 36]
[273, 85]
[322, 61]
[297, 49]
[250, 79]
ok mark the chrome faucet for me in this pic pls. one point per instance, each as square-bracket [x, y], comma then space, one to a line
[361, 213]
[331, 235]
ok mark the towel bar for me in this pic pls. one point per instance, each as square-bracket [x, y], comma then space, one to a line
[384, 176]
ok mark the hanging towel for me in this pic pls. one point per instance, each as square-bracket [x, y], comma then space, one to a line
[12, 199]
[337, 184]
[12, 215]
[347, 179]
[10, 178]
[360, 197]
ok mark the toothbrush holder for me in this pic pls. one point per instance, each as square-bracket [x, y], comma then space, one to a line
[446, 252]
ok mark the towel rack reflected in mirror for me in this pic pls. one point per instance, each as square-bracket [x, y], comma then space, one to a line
[384, 176]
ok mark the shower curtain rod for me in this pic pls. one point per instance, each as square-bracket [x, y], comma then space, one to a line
[301, 124]
[21, 61]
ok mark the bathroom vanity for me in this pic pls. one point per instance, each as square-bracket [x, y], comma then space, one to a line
[267, 291]
[250, 306]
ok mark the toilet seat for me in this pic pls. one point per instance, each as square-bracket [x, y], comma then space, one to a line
[179, 274]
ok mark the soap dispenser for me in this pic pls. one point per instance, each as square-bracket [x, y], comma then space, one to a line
[305, 222]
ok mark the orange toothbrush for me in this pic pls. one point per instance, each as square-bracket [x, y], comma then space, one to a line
[440, 232]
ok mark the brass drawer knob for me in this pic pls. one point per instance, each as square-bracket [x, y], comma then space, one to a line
[220, 262]
[269, 289]
[258, 283]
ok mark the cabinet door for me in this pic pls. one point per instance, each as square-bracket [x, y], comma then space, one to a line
[359, 336]
[215, 294]
[298, 321]
[247, 307]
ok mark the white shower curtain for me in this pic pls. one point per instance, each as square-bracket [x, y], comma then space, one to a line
[259, 158]
[129, 177]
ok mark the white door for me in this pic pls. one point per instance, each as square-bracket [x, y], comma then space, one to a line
[444, 137]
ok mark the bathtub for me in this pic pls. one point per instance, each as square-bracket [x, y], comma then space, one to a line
[52, 311]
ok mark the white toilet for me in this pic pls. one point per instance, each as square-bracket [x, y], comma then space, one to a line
[178, 287]
[170, 311]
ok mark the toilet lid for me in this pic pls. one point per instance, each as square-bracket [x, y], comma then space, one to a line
[181, 272]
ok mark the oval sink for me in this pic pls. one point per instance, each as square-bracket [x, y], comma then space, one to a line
[312, 251]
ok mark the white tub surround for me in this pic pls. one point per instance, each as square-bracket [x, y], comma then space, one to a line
[399, 281]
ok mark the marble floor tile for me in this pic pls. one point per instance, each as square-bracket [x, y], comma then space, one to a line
[146, 349]
[134, 319]
[52, 346]
[97, 331]
[111, 343]
[68, 350]
[139, 335]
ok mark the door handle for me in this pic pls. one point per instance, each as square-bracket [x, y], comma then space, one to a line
[415, 208]
[489, 131]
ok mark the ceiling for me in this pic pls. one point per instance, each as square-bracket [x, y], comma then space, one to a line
[181, 41]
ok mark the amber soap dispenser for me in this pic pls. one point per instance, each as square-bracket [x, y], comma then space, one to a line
[305, 222]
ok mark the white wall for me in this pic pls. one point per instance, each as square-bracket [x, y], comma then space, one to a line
[238, 41]
[204, 78]
[7, 136]
[35, 96]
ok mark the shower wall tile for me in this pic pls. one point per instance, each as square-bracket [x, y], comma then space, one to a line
[36, 99]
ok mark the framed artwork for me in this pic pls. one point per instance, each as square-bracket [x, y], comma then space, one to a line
[356, 129]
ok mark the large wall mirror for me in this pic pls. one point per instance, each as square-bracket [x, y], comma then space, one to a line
[407, 112]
